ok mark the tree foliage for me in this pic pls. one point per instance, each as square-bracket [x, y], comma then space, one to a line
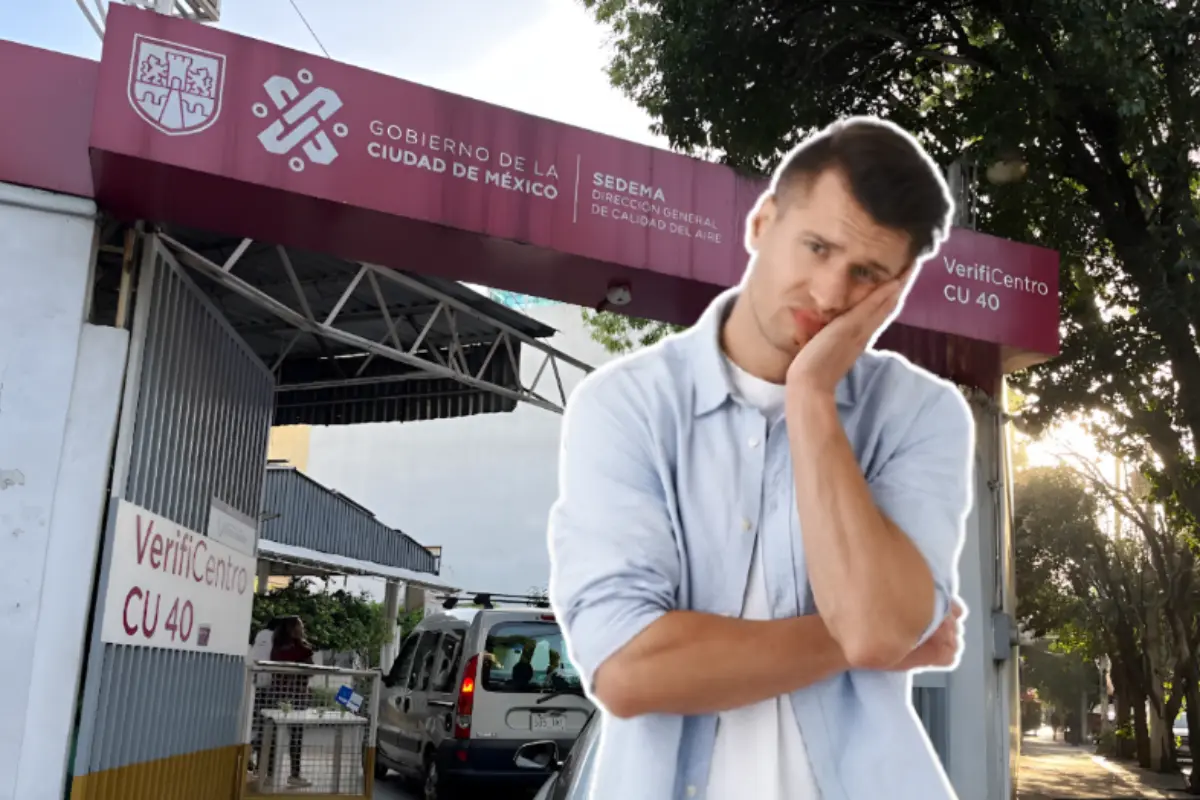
[621, 334]
[1100, 101]
[334, 620]
[1098, 98]
[1090, 578]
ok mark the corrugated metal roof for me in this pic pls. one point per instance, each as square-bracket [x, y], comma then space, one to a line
[324, 382]
[300, 512]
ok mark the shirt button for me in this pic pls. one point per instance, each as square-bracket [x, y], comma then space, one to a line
[691, 791]
[754, 441]
[746, 525]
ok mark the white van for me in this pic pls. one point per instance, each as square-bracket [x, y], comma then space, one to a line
[469, 687]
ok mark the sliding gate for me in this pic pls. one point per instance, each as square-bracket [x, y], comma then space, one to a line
[161, 706]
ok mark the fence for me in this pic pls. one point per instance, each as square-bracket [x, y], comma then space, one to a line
[311, 731]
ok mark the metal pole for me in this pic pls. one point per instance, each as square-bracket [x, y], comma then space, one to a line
[391, 606]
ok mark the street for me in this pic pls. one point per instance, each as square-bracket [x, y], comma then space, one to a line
[392, 788]
[395, 789]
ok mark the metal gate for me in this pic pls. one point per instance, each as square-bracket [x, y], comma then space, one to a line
[165, 724]
[932, 708]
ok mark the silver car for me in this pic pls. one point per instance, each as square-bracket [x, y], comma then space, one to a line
[469, 687]
[571, 777]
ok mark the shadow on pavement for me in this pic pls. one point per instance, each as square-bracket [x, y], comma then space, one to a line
[1052, 770]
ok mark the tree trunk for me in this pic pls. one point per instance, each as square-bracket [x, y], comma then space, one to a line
[1161, 741]
[1125, 747]
[1141, 730]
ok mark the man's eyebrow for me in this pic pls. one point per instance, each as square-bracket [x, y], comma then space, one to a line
[869, 264]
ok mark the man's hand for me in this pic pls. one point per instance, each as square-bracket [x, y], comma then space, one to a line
[939, 650]
[828, 356]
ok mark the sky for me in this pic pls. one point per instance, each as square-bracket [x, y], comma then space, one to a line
[479, 487]
[486, 49]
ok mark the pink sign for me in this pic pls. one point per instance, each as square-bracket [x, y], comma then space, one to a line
[197, 126]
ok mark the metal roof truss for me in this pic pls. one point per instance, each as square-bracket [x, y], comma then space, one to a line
[423, 354]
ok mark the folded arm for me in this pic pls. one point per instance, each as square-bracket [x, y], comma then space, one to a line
[882, 552]
[616, 571]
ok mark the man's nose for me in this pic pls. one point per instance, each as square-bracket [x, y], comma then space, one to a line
[830, 289]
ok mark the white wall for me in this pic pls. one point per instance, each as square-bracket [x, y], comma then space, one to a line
[980, 690]
[59, 387]
[481, 487]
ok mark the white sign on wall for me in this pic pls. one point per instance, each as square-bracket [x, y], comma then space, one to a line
[172, 588]
[229, 526]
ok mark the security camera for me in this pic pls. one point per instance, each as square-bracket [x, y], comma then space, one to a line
[619, 294]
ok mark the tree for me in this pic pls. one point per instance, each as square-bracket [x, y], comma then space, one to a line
[621, 334]
[1096, 98]
[409, 620]
[1064, 679]
[1074, 588]
[1094, 588]
[333, 620]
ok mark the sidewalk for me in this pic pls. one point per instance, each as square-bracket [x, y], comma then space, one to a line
[1056, 771]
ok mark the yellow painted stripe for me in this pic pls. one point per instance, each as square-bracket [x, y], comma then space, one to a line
[207, 775]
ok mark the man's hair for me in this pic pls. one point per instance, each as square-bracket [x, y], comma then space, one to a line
[887, 172]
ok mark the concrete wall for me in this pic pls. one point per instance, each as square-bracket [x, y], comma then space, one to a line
[982, 688]
[60, 382]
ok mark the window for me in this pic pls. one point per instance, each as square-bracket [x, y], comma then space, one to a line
[403, 662]
[447, 661]
[418, 679]
[528, 657]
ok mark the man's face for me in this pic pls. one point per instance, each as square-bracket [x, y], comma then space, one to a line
[816, 255]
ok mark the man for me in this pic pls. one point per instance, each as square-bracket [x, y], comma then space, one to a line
[759, 520]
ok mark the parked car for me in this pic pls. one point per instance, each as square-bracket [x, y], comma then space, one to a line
[468, 689]
[1180, 729]
[571, 776]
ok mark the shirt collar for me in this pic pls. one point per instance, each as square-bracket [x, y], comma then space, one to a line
[712, 382]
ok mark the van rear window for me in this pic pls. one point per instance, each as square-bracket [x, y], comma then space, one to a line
[527, 657]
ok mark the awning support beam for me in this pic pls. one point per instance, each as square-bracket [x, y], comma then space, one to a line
[430, 363]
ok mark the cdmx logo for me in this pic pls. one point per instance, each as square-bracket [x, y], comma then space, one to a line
[301, 121]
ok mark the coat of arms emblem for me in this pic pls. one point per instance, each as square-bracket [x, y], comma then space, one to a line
[174, 87]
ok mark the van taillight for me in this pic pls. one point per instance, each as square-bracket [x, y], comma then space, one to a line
[547, 618]
[466, 700]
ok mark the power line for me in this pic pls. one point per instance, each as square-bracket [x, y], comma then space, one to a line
[303, 19]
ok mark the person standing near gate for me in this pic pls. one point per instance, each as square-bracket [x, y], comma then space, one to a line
[291, 646]
[758, 524]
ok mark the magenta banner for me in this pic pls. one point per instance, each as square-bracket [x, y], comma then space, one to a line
[198, 126]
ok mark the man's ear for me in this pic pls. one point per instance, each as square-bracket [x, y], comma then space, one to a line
[761, 219]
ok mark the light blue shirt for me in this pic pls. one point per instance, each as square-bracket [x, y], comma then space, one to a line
[665, 478]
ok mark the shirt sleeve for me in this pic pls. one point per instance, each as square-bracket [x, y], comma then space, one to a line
[925, 488]
[615, 567]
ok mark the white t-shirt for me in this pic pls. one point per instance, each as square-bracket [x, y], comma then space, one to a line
[261, 651]
[759, 751]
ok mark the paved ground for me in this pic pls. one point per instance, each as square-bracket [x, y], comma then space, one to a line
[394, 789]
[1053, 770]
[1049, 771]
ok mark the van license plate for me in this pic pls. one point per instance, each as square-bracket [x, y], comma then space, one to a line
[548, 722]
